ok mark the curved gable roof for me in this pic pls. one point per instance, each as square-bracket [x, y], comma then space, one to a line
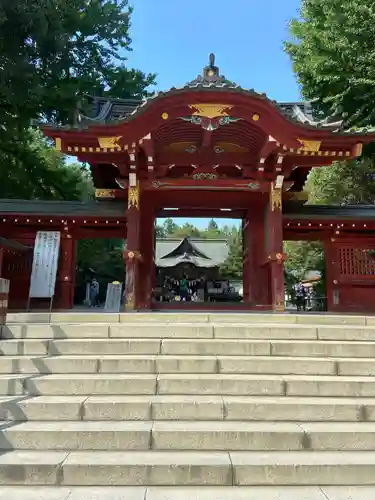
[185, 247]
[207, 252]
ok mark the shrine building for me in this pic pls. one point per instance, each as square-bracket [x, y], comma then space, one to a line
[209, 149]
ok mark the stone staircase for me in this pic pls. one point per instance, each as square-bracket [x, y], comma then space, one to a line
[187, 407]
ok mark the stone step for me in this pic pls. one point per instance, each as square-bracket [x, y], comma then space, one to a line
[188, 347]
[182, 364]
[195, 407]
[186, 317]
[188, 468]
[187, 384]
[297, 385]
[189, 330]
[188, 493]
[188, 436]
[277, 365]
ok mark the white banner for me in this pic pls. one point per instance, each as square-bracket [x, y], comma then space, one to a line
[45, 262]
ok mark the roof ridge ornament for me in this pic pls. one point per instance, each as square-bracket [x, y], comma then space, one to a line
[210, 74]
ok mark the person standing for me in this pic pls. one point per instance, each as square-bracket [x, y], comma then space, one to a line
[300, 297]
[184, 288]
[94, 293]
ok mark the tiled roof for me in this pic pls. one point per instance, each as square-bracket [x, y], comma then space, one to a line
[112, 110]
[63, 208]
[316, 212]
[214, 249]
[170, 252]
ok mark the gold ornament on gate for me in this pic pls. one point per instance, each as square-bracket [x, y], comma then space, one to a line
[210, 110]
[275, 198]
[133, 196]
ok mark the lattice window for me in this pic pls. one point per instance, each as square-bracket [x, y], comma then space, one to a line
[356, 261]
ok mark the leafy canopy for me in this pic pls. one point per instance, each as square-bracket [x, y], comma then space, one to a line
[343, 183]
[53, 51]
[333, 53]
[32, 169]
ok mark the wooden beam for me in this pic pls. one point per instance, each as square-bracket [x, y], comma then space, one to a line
[204, 158]
[205, 213]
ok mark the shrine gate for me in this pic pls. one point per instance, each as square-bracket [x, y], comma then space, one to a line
[208, 149]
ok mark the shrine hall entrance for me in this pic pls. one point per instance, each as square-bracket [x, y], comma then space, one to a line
[198, 262]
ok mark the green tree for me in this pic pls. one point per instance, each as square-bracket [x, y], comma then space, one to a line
[212, 230]
[169, 227]
[302, 257]
[159, 231]
[54, 51]
[232, 267]
[186, 230]
[332, 50]
[343, 183]
[40, 172]
[54, 54]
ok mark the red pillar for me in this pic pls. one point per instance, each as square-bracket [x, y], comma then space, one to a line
[132, 254]
[332, 273]
[147, 264]
[1, 260]
[247, 259]
[256, 265]
[275, 248]
[65, 281]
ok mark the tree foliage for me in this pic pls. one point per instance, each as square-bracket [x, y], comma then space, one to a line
[38, 171]
[333, 54]
[232, 267]
[53, 51]
[332, 50]
[303, 256]
[53, 54]
[343, 183]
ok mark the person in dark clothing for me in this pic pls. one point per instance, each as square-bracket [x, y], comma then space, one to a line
[300, 297]
[203, 286]
[184, 288]
[94, 293]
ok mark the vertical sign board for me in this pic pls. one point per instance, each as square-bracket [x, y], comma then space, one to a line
[45, 262]
[113, 297]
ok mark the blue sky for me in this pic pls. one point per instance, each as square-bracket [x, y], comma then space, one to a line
[173, 38]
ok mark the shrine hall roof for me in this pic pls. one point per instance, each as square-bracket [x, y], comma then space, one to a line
[170, 252]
